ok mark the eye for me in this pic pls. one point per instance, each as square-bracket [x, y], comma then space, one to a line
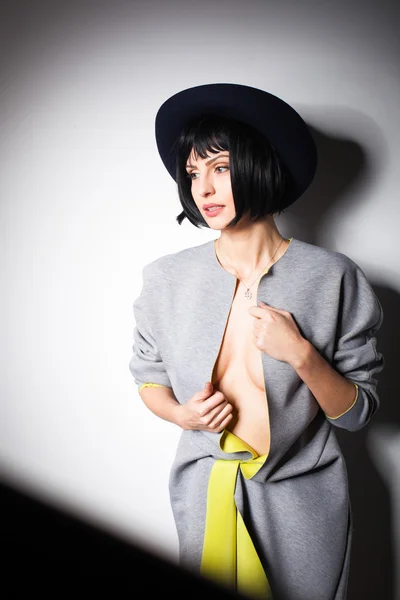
[191, 175]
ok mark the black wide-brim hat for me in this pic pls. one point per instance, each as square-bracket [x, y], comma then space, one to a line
[270, 115]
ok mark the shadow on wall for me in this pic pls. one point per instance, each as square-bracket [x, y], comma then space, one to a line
[348, 164]
[350, 161]
[374, 475]
[50, 552]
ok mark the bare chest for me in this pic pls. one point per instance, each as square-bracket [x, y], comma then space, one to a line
[238, 374]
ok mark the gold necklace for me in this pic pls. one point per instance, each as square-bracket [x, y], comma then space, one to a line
[248, 294]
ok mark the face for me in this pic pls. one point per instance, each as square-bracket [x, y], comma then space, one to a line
[211, 184]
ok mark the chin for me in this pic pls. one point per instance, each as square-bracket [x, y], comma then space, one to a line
[218, 226]
[220, 221]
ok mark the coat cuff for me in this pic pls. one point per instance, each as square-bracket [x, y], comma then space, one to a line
[347, 410]
[359, 413]
[151, 385]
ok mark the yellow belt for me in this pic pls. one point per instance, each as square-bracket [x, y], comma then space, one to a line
[229, 556]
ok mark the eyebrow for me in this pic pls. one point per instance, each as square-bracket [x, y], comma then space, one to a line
[210, 161]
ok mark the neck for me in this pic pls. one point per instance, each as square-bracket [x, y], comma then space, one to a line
[249, 248]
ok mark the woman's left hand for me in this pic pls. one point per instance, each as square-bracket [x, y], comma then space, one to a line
[276, 333]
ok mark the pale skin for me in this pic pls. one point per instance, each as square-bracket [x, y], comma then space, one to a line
[248, 247]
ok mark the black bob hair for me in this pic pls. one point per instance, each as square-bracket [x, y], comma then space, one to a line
[258, 175]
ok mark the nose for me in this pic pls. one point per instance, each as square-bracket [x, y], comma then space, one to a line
[205, 186]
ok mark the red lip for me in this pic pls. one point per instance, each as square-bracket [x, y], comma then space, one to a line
[210, 205]
[215, 212]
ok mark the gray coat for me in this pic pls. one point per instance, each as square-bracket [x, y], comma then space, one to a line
[297, 507]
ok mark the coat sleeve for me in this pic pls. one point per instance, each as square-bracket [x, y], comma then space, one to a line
[356, 356]
[146, 364]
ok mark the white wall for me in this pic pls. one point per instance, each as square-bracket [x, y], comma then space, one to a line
[86, 202]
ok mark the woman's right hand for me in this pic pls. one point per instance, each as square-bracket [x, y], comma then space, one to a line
[206, 410]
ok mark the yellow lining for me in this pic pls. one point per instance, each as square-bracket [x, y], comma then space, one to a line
[229, 555]
[347, 410]
[151, 385]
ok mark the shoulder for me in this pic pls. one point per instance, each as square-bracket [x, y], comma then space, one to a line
[322, 261]
[329, 269]
[169, 266]
[318, 255]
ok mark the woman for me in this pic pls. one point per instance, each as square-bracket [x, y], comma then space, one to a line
[256, 346]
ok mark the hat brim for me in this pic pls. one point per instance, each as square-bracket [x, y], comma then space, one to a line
[270, 115]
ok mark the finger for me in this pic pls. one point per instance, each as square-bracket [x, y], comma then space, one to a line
[258, 342]
[221, 416]
[224, 423]
[256, 311]
[274, 309]
[213, 413]
[260, 312]
[211, 402]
